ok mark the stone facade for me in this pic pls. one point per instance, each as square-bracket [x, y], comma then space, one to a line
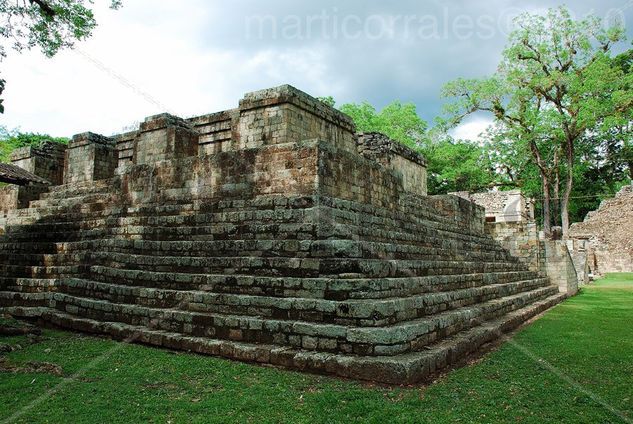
[510, 221]
[521, 239]
[89, 157]
[270, 233]
[46, 161]
[393, 155]
[503, 206]
[559, 266]
[604, 241]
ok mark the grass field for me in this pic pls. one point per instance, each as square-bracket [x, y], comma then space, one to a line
[575, 364]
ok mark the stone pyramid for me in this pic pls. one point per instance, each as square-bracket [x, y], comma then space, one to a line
[271, 233]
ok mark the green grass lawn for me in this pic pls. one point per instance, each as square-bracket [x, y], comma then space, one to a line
[575, 364]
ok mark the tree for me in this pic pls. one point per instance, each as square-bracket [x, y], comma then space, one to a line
[456, 165]
[399, 121]
[556, 83]
[328, 100]
[522, 125]
[2, 82]
[453, 165]
[50, 25]
[567, 63]
[11, 140]
[623, 128]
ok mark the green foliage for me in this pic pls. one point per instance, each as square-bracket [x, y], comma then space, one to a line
[399, 121]
[328, 100]
[556, 84]
[50, 25]
[458, 166]
[453, 165]
[573, 365]
[11, 140]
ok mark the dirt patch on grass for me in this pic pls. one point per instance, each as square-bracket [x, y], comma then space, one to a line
[31, 367]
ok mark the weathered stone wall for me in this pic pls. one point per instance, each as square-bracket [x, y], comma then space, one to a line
[583, 260]
[216, 131]
[280, 116]
[520, 239]
[460, 212]
[125, 148]
[605, 238]
[164, 137]
[90, 157]
[395, 156]
[46, 161]
[548, 257]
[285, 115]
[18, 197]
[559, 266]
[8, 198]
[279, 169]
[502, 206]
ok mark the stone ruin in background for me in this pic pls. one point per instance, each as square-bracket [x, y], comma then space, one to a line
[271, 233]
[510, 221]
[603, 243]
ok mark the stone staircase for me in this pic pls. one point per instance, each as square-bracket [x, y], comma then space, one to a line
[270, 233]
[307, 282]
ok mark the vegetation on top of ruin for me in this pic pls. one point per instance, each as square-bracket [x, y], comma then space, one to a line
[14, 139]
[534, 378]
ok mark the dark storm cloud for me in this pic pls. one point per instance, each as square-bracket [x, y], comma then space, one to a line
[380, 51]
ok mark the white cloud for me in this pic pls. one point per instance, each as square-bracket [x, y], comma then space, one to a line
[472, 128]
[129, 70]
[192, 57]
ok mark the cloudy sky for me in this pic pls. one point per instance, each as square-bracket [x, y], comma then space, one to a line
[191, 57]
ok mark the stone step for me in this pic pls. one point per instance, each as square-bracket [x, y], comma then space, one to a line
[65, 202]
[278, 247]
[416, 335]
[353, 287]
[388, 340]
[402, 369]
[409, 214]
[29, 216]
[398, 235]
[358, 312]
[44, 259]
[176, 230]
[39, 272]
[240, 216]
[35, 252]
[81, 188]
[216, 234]
[28, 285]
[295, 266]
[13, 299]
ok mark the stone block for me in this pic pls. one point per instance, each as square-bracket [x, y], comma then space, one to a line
[45, 160]
[164, 137]
[90, 157]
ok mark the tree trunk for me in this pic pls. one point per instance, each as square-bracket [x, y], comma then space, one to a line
[556, 206]
[564, 210]
[547, 214]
